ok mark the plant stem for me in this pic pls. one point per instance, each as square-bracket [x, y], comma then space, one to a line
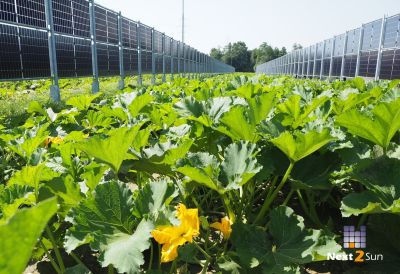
[271, 198]
[302, 203]
[227, 204]
[288, 197]
[205, 267]
[53, 263]
[159, 257]
[110, 269]
[76, 258]
[272, 186]
[173, 267]
[202, 250]
[55, 247]
[151, 256]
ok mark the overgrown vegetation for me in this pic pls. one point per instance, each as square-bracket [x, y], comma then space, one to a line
[230, 174]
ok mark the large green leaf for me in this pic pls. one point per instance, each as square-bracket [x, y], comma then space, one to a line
[237, 126]
[32, 176]
[300, 145]
[20, 234]
[112, 150]
[139, 103]
[105, 221]
[378, 129]
[153, 197]
[26, 145]
[237, 168]
[381, 179]
[251, 244]
[12, 197]
[286, 246]
[241, 121]
[201, 168]
[239, 165]
[82, 102]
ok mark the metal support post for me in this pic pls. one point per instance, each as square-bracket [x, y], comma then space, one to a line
[360, 45]
[179, 58]
[172, 56]
[153, 58]
[163, 58]
[344, 55]
[308, 61]
[54, 88]
[331, 59]
[303, 61]
[315, 60]
[380, 49]
[322, 61]
[139, 50]
[121, 83]
[183, 59]
[93, 43]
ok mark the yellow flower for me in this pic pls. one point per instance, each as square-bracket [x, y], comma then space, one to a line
[171, 237]
[224, 226]
[53, 140]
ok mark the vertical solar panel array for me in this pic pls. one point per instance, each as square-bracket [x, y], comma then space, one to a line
[375, 47]
[130, 44]
[390, 67]
[24, 42]
[167, 54]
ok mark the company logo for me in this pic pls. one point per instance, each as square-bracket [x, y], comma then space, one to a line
[353, 238]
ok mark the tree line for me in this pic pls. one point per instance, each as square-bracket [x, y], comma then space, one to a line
[244, 60]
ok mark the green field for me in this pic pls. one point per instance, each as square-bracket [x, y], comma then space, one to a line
[225, 174]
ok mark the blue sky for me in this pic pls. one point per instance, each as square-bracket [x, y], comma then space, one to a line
[213, 23]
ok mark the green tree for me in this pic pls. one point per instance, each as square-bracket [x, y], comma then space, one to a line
[238, 55]
[266, 53]
[216, 53]
[297, 46]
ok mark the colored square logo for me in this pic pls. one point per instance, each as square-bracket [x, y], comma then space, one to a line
[353, 238]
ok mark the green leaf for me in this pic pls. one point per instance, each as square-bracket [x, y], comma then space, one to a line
[381, 179]
[291, 107]
[93, 174]
[124, 251]
[239, 165]
[139, 103]
[358, 83]
[105, 221]
[300, 145]
[153, 197]
[27, 145]
[20, 234]
[32, 176]
[241, 121]
[286, 246]
[251, 244]
[96, 119]
[67, 189]
[77, 269]
[236, 125]
[112, 150]
[201, 168]
[380, 129]
[82, 102]
[12, 197]
[229, 266]
[292, 243]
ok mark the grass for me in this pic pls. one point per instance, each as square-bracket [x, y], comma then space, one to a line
[16, 96]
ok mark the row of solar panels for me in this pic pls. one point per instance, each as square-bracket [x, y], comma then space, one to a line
[24, 42]
[374, 44]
